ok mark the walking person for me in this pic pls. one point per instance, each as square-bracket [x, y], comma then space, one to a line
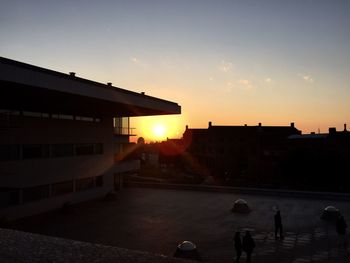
[248, 245]
[341, 230]
[278, 225]
[238, 245]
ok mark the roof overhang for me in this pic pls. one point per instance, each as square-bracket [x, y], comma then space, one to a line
[34, 88]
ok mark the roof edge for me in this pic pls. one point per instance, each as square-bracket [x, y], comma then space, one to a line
[65, 75]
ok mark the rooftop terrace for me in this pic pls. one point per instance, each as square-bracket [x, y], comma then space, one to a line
[156, 220]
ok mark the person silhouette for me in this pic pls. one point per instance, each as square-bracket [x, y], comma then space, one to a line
[248, 245]
[278, 225]
[341, 226]
[238, 246]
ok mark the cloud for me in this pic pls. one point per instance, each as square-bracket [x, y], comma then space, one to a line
[139, 62]
[268, 80]
[245, 84]
[307, 78]
[225, 66]
[135, 60]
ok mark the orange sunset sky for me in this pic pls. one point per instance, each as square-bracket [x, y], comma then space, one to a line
[230, 62]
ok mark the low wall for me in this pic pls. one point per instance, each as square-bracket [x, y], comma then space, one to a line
[242, 190]
[17, 247]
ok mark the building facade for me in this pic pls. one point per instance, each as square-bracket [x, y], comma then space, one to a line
[247, 155]
[63, 139]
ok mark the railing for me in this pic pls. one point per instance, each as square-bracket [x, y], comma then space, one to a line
[124, 131]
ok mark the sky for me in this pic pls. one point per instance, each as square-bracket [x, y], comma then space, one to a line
[232, 62]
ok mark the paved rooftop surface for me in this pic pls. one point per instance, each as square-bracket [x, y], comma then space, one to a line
[156, 220]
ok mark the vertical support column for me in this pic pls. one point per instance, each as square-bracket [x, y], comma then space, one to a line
[20, 197]
[116, 181]
[129, 132]
[50, 190]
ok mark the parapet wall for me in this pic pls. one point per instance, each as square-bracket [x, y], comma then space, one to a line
[242, 190]
[17, 246]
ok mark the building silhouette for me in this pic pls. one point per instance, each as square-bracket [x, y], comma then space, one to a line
[318, 161]
[63, 139]
[269, 156]
[246, 155]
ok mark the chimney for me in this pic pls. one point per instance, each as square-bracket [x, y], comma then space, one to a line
[143, 93]
[332, 130]
[292, 124]
[259, 124]
[72, 74]
[209, 124]
[345, 127]
[186, 127]
[109, 83]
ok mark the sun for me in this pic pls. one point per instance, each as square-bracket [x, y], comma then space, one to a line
[159, 131]
[157, 128]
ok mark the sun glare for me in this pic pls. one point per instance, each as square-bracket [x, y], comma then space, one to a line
[159, 131]
[158, 128]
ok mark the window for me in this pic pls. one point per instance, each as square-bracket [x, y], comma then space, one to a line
[62, 188]
[32, 114]
[31, 151]
[84, 184]
[122, 126]
[83, 118]
[46, 115]
[46, 150]
[36, 151]
[61, 150]
[84, 149]
[99, 181]
[9, 152]
[99, 148]
[35, 193]
[9, 196]
[65, 117]
[35, 114]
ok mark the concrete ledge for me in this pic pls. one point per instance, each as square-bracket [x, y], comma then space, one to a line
[243, 190]
[17, 246]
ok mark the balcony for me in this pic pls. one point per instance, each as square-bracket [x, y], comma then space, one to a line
[121, 126]
[124, 131]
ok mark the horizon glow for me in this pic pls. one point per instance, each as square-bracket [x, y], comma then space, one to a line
[230, 62]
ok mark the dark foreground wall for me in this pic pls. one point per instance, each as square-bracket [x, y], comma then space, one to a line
[17, 246]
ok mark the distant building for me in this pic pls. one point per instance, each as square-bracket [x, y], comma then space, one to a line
[238, 154]
[172, 153]
[63, 139]
[318, 161]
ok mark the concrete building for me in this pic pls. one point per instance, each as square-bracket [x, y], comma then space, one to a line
[62, 137]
